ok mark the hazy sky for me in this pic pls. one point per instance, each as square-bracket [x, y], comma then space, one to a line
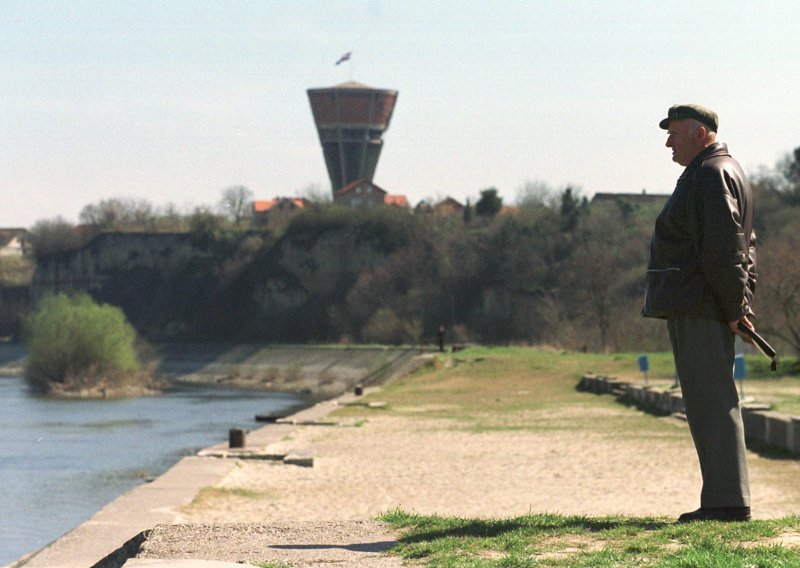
[174, 101]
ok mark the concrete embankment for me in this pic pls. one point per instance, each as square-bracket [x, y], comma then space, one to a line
[321, 371]
[762, 426]
[324, 371]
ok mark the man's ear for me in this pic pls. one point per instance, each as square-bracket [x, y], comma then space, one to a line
[701, 132]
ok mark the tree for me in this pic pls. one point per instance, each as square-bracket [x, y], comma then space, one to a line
[778, 292]
[236, 203]
[51, 236]
[314, 193]
[489, 204]
[119, 213]
[571, 208]
[207, 228]
[468, 212]
[73, 342]
[534, 193]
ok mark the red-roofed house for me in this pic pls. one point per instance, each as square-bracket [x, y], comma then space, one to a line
[397, 201]
[364, 193]
[276, 211]
[360, 193]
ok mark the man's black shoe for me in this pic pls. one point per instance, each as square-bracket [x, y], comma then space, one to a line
[728, 514]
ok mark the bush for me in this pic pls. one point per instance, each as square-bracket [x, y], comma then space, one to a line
[74, 343]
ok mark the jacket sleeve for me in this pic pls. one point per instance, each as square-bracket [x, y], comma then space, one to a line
[722, 246]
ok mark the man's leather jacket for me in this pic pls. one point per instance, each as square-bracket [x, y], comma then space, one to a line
[702, 253]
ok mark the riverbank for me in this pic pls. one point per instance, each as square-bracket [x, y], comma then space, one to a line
[489, 433]
[320, 372]
[484, 433]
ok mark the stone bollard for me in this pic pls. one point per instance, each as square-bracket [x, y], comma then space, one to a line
[236, 438]
[794, 435]
[777, 430]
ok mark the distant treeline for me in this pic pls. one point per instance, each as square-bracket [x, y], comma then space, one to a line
[557, 269]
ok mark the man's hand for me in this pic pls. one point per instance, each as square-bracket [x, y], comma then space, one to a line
[734, 325]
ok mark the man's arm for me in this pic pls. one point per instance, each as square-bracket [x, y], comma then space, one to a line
[723, 248]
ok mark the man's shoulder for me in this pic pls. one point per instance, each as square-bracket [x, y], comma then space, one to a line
[718, 160]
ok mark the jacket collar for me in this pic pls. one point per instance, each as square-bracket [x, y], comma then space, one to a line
[716, 149]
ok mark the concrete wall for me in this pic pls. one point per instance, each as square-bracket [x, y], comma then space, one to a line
[762, 426]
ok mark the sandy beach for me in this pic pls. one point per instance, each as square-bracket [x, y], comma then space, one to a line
[431, 466]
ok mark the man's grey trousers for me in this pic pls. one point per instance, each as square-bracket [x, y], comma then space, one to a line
[704, 356]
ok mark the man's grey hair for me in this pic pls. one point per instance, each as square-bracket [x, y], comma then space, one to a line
[711, 135]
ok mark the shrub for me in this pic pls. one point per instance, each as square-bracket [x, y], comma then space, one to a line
[71, 340]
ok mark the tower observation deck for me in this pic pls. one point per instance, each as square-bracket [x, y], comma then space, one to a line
[351, 119]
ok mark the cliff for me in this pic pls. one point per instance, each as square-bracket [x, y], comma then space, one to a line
[245, 286]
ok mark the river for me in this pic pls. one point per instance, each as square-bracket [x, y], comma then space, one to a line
[63, 460]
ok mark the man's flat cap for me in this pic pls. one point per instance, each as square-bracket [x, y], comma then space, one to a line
[697, 112]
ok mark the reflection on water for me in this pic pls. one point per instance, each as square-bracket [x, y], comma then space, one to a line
[63, 460]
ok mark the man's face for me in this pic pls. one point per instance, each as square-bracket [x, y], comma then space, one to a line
[682, 138]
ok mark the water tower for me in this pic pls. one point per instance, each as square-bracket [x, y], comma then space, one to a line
[351, 119]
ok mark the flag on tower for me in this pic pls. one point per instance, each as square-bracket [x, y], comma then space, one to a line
[344, 57]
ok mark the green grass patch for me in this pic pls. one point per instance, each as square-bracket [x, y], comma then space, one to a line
[16, 271]
[212, 494]
[576, 541]
[488, 388]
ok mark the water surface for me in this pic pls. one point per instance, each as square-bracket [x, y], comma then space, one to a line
[63, 460]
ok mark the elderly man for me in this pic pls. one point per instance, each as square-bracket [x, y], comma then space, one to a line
[701, 279]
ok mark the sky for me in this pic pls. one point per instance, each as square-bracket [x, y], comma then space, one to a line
[172, 102]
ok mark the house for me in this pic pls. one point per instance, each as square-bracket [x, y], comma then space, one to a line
[364, 193]
[276, 211]
[360, 193]
[14, 242]
[448, 207]
[396, 201]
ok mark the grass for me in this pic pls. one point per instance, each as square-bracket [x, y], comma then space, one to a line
[509, 387]
[208, 494]
[16, 271]
[571, 541]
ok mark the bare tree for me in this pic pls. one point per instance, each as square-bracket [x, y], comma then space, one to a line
[236, 203]
[314, 193]
[51, 236]
[118, 213]
[778, 291]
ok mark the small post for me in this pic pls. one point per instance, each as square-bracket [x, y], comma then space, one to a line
[644, 366]
[236, 438]
[739, 373]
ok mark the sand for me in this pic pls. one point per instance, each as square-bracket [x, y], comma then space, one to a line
[382, 461]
